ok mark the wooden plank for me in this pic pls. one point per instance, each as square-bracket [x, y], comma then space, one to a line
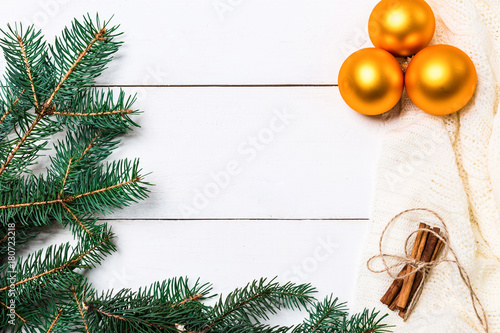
[253, 153]
[215, 41]
[229, 254]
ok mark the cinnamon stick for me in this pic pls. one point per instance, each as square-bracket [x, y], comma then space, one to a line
[394, 303]
[439, 247]
[436, 250]
[393, 291]
[404, 294]
[430, 247]
[396, 285]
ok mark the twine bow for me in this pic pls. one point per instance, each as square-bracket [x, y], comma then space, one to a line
[424, 267]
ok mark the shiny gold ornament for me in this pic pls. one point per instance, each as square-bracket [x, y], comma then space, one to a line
[440, 79]
[371, 81]
[402, 27]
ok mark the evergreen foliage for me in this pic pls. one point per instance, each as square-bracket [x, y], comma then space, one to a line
[50, 89]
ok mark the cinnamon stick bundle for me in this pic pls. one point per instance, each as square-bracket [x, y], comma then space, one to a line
[397, 284]
[426, 248]
[426, 255]
[418, 279]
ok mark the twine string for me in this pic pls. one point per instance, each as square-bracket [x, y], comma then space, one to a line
[424, 267]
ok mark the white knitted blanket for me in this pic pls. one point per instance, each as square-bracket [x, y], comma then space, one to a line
[451, 165]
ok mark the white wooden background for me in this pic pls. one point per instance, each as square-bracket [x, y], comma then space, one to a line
[242, 92]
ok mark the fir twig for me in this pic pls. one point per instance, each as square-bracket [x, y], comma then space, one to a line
[98, 37]
[71, 198]
[68, 264]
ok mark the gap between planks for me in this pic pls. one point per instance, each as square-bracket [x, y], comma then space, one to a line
[236, 219]
[213, 85]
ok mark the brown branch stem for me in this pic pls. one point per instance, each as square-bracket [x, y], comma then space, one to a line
[91, 114]
[9, 109]
[187, 300]
[133, 180]
[89, 307]
[4, 238]
[17, 315]
[55, 320]
[76, 219]
[110, 315]
[80, 309]
[28, 70]
[65, 177]
[90, 145]
[20, 143]
[30, 204]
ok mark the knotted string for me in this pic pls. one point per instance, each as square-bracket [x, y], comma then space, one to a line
[424, 267]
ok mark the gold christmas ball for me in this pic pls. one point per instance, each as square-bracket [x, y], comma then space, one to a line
[402, 27]
[441, 79]
[371, 81]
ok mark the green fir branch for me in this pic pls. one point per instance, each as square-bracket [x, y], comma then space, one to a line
[81, 54]
[177, 292]
[82, 148]
[28, 69]
[325, 316]
[137, 312]
[256, 301]
[365, 322]
[99, 108]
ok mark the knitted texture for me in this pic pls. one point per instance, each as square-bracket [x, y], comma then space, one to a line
[451, 165]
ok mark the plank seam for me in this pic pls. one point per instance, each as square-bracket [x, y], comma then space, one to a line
[213, 85]
[236, 219]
